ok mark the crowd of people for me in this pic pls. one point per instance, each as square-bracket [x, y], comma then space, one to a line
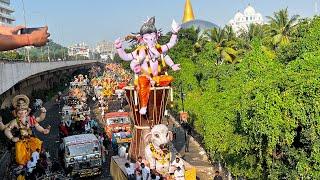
[76, 114]
[140, 170]
[77, 125]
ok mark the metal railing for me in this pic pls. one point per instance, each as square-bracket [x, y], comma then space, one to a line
[11, 61]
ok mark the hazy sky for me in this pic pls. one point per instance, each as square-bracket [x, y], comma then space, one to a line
[90, 21]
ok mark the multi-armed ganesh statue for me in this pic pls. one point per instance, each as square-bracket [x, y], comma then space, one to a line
[150, 61]
[25, 141]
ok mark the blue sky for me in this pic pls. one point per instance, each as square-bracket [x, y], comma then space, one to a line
[91, 21]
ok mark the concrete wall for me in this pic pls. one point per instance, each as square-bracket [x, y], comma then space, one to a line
[11, 74]
[42, 79]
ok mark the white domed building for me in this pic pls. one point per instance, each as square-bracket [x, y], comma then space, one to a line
[241, 21]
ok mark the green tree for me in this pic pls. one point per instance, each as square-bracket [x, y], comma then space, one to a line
[281, 26]
[222, 42]
[259, 117]
[11, 55]
[56, 51]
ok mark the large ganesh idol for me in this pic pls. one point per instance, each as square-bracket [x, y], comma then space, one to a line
[78, 93]
[150, 61]
[25, 142]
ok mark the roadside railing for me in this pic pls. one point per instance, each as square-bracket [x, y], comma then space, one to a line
[11, 61]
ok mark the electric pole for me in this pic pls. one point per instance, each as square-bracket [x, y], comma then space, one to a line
[316, 7]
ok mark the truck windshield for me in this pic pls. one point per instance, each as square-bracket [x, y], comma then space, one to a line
[82, 149]
[118, 120]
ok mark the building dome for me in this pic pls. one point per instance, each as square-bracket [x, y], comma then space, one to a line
[259, 17]
[249, 11]
[201, 24]
[239, 16]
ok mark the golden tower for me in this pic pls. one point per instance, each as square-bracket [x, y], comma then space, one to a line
[188, 12]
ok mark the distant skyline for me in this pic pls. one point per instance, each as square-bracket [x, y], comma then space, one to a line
[74, 21]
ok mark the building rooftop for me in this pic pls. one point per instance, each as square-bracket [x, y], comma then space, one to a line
[201, 24]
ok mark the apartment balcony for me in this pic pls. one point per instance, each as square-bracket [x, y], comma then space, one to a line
[7, 16]
[8, 8]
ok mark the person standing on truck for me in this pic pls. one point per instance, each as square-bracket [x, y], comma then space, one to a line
[35, 155]
[145, 172]
[31, 165]
[217, 176]
[130, 171]
[63, 130]
[179, 174]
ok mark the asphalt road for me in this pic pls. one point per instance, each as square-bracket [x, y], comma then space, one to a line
[51, 141]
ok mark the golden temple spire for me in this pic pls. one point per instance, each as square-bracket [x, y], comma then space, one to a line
[188, 12]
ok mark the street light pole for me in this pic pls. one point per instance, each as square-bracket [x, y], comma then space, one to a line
[182, 96]
[28, 52]
[48, 53]
[185, 123]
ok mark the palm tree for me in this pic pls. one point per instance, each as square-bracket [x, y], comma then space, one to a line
[246, 36]
[253, 31]
[281, 27]
[230, 34]
[223, 44]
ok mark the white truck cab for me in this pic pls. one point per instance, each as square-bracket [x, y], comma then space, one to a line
[82, 154]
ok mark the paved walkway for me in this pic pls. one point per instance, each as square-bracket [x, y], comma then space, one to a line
[196, 156]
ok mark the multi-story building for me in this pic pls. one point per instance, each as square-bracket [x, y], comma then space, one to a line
[106, 50]
[79, 50]
[5, 13]
[241, 21]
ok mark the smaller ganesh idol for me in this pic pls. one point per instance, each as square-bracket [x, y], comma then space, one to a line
[149, 60]
[26, 143]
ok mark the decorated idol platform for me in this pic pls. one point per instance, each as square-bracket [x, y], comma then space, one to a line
[151, 138]
[148, 97]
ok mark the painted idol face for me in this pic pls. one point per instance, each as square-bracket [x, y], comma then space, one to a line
[150, 39]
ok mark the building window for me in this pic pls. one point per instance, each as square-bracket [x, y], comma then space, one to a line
[247, 18]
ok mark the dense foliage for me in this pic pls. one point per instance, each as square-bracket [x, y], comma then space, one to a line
[11, 55]
[258, 111]
[56, 51]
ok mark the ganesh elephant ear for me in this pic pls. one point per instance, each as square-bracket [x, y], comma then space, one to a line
[152, 20]
[147, 137]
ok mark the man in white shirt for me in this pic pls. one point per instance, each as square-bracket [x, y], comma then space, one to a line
[31, 165]
[178, 163]
[154, 177]
[87, 127]
[130, 171]
[145, 172]
[35, 155]
[179, 174]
